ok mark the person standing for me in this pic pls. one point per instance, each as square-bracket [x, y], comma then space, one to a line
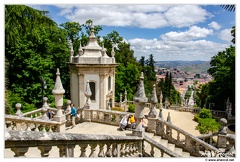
[73, 114]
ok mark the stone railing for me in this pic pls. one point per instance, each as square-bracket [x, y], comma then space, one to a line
[102, 116]
[30, 124]
[182, 139]
[155, 145]
[37, 113]
[79, 145]
[218, 113]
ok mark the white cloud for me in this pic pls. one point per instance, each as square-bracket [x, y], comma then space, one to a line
[186, 15]
[176, 50]
[194, 32]
[226, 35]
[142, 16]
[214, 25]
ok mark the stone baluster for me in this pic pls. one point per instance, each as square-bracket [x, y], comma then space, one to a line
[93, 150]
[139, 101]
[141, 150]
[44, 150]
[58, 92]
[28, 127]
[108, 152]
[152, 150]
[101, 151]
[36, 127]
[130, 151]
[83, 150]
[168, 129]
[44, 128]
[62, 151]
[20, 151]
[122, 152]
[162, 152]
[114, 150]
[178, 136]
[50, 128]
[70, 150]
[126, 150]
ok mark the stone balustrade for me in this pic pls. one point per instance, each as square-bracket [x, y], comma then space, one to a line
[218, 113]
[104, 116]
[30, 124]
[182, 139]
[155, 145]
[79, 145]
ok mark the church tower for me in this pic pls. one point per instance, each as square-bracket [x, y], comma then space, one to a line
[92, 65]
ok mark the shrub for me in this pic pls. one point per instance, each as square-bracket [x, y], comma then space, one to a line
[205, 113]
[117, 109]
[207, 125]
[131, 108]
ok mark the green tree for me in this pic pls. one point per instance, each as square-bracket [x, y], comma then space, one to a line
[37, 48]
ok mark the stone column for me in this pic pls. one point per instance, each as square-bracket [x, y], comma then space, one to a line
[58, 92]
[81, 95]
[88, 104]
[152, 113]
[102, 92]
[222, 134]
[139, 101]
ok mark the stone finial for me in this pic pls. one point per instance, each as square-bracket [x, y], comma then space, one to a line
[45, 107]
[140, 95]
[169, 118]
[223, 129]
[18, 112]
[160, 113]
[113, 52]
[120, 97]
[80, 51]
[125, 95]
[58, 88]
[103, 51]
[92, 30]
[154, 95]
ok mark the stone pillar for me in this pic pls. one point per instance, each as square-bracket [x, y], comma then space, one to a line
[102, 90]
[222, 134]
[152, 113]
[81, 95]
[88, 104]
[139, 101]
[58, 92]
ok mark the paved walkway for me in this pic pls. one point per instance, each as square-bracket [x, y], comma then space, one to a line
[183, 120]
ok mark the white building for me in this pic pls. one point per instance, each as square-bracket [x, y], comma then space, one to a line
[93, 64]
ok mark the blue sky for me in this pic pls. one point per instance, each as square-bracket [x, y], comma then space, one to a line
[169, 32]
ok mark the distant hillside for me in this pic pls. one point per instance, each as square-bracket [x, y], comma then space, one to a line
[187, 66]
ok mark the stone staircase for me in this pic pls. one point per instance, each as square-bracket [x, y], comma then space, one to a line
[165, 143]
